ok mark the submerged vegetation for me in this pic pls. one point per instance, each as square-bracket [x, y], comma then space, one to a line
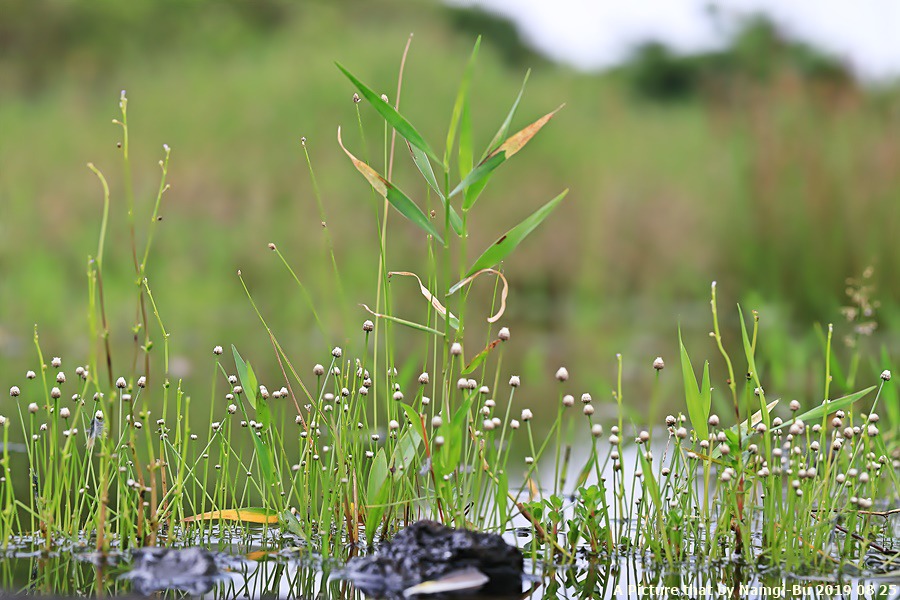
[389, 429]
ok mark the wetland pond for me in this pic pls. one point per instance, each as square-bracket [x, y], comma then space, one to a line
[227, 561]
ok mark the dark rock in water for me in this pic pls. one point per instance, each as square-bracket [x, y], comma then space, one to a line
[430, 552]
[192, 570]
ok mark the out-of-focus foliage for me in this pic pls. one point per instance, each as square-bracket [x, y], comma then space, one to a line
[41, 40]
[759, 54]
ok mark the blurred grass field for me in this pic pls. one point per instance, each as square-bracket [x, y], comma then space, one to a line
[779, 190]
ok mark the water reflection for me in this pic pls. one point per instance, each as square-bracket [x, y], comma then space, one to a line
[286, 573]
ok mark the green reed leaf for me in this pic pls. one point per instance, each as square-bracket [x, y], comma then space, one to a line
[504, 152]
[390, 114]
[462, 100]
[424, 166]
[389, 191]
[698, 411]
[510, 240]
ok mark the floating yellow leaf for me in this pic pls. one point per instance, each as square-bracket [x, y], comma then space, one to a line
[243, 515]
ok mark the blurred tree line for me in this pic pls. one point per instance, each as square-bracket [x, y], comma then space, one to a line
[758, 54]
[43, 39]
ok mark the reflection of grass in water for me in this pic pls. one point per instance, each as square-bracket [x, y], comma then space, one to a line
[371, 439]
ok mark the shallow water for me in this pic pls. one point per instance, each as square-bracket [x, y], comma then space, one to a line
[268, 564]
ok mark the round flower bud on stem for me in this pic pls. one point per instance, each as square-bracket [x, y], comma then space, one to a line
[318, 370]
[14, 391]
[456, 349]
[503, 334]
[562, 374]
[886, 375]
[514, 381]
[368, 326]
[658, 363]
[527, 415]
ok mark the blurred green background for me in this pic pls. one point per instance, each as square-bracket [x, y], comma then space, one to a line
[765, 166]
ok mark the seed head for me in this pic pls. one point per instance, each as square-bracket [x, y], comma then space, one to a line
[238, 390]
[64, 412]
[439, 441]
[218, 350]
[529, 460]
[215, 425]
[98, 415]
[597, 430]
[356, 98]
[14, 391]
[588, 410]
[318, 370]
[513, 424]
[568, 400]
[142, 381]
[527, 415]
[337, 352]
[713, 420]
[436, 422]
[644, 436]
[658, 363]
[681, 433]
[30, 375]
[393, 425]
[398, 396]
[60, 377]
[795, 405]
[456, 349]
[55, 393]
[462, 383]
[56, 362]
[514, 381]
[886, 375]
[33, 408]
[121, 383]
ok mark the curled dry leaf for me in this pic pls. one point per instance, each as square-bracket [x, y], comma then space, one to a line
[503, 293]
[440, 308]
